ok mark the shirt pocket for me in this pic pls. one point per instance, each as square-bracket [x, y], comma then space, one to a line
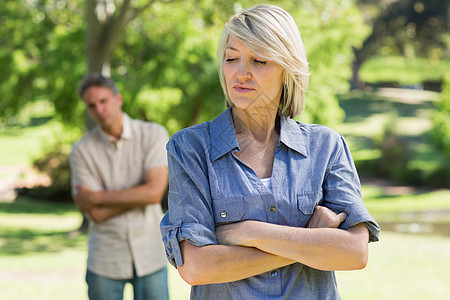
[306, 203]
[228, 210]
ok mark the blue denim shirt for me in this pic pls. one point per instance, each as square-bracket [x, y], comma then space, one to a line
[210, 186]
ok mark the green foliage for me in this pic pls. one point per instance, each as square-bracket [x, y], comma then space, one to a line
[178, 58]
[397, 163]
[329, 30]
[406, 27]
[45, 58]
[440, 132]
[165, 69]
[387, 137]
[394, 153]
[55, 164]
[403, 27]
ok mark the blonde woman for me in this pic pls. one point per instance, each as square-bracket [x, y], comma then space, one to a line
[262, 206]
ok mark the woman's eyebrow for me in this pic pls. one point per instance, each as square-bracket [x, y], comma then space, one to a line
[231, 48]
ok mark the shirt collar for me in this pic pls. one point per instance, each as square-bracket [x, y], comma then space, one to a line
[126, 130]
[224, 136]
[292, 136]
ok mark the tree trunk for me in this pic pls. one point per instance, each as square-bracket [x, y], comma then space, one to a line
[355, 81]
[103, 32]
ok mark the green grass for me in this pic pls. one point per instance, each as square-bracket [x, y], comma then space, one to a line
[401, 266]
[412, 206]
[20, 145]
[368, 114]
[400, 70]
[40, 261]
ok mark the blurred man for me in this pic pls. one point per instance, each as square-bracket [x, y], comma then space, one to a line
[119, 176]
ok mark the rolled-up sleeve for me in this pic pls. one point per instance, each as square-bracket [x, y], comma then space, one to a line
[342, 191]
[189, 216]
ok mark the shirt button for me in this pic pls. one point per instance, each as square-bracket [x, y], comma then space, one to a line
[272, 208]
[274, 273]
[223, 214]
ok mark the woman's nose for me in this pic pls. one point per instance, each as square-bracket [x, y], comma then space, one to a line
[244, 72]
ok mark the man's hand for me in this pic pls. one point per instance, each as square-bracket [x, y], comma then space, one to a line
[85, 198]
[326, 218]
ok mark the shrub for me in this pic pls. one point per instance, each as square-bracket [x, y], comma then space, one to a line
[54, 163]
[440, 133]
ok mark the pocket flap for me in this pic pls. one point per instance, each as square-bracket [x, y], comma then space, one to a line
[228, 210]
[307, 203]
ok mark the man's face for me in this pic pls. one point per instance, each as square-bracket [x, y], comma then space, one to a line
[104, 107]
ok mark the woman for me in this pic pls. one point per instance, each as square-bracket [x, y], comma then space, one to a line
[250, 189]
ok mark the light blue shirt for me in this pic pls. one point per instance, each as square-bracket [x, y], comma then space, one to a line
[210, 186]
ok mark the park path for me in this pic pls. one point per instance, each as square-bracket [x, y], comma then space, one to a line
[407, 96]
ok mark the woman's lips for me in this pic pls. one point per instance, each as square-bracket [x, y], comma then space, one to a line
[243, 89]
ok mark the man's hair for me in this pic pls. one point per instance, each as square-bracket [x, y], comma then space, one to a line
[272, 34]
[96, 79]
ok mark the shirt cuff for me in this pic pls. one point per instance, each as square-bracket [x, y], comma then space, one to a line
[357, 213]
[195, 234]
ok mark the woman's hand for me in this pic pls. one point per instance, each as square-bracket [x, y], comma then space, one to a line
[233, 234]
[324, 217]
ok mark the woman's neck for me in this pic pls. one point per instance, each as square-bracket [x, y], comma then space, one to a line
[261, 125]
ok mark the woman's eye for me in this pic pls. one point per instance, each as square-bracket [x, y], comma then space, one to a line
[230, 59]
[260, 62]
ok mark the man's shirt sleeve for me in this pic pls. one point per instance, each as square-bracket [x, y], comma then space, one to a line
[81, 172]
[156, 147]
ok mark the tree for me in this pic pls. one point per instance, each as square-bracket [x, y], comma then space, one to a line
[407, 27]
[106, 21]
[162, 55]
[152, 54]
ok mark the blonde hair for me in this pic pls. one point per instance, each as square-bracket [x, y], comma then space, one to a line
[271, 33]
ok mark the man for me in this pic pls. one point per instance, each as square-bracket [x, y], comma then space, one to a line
[119, 176]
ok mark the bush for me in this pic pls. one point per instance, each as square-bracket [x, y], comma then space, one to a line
[54, 163]
[394, 154]
[398, 163]
[440, 133]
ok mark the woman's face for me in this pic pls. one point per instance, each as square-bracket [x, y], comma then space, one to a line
[251, 81]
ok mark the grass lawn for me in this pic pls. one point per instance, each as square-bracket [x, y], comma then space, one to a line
[25, 143]
[401, 266]
[39, 261]
[404, 71]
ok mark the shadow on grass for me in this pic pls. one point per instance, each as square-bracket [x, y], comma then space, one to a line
[27, 205]
[25, 241]
[358, 106]
[17, 240]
